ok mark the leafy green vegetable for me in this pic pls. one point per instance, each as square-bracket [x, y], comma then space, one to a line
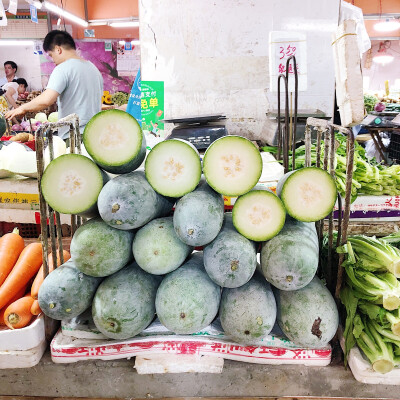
[369, 102]
[350, 302]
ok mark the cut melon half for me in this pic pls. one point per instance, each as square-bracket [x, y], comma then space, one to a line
[71, 184]
[173, 168]
[258, 215]
[115, 141]
[308, 194]
[232, 165]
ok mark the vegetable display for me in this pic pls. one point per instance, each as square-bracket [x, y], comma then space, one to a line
[371, 297]
[168, 278]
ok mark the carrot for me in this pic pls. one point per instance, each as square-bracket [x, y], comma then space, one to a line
[35, 309]
[19, 294]
[40, 275]
[11, 246]
[25, 268]
[18, 314]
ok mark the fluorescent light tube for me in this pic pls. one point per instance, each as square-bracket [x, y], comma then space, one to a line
[135, 42]
[127, 24]
[62, 13]
[387, 26]
[5, 42]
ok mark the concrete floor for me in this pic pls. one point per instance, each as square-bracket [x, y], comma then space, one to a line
[118, 379]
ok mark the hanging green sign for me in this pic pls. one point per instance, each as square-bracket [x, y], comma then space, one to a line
[152, 105]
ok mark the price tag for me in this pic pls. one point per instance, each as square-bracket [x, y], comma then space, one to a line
[282, 45]
[19, 198]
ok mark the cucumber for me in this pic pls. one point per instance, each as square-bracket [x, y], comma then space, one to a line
[100, 250]
[173, 168]
[230, 259]
[308, 316]
[115, 141]
[248, 313]
[157, 249]
[199, 215]
[258, 215]
[67, 292]
[232, 165]
[187, 299]
[71, 184]
[124, 303]
[289, 261]
[308, 194]
[129, 202]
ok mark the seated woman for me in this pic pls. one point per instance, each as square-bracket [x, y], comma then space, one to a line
[11, 90]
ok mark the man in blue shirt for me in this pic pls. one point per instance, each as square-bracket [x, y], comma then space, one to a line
[75, 83]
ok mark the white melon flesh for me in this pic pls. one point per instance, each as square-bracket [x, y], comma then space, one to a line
[258, 215]
[232, 165]
[173, 168]
[115, 141]
[309, 194]
[71, 184]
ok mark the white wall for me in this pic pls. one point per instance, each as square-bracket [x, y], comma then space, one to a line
[28, 64]
[213, 55]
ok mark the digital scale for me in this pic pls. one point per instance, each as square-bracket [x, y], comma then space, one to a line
[381, 119]
[201, 130]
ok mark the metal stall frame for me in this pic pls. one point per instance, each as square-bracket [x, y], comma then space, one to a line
[50, 222]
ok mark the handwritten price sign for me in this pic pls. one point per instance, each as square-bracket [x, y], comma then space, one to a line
[283, 45]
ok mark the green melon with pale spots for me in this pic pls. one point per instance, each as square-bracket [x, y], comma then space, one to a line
[67, 292]
[289, 261]
[124, 303]
[187, 299]
[100, 250]
[248, 313]
[308, 316]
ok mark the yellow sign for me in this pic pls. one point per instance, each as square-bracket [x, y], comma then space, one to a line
[19, 198]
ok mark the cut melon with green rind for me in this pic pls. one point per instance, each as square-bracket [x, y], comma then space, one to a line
[99, 249]
[187, 299]
[232, 165]
[308, 194]
[259, 215]
[115, 141]
[248, 313]
[230, 259]
[157, 249]
[308, 316]
[124, 303]
[173, 168]
[199, 215]
[71, 184]
[67, 292]
[289, 261]
[128, 202]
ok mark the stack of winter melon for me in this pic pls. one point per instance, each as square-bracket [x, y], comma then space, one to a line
[134, 259]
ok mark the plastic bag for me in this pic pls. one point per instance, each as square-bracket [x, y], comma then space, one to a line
[348, 11]
[372, 152]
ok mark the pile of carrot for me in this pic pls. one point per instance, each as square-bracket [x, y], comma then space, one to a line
[19, 264]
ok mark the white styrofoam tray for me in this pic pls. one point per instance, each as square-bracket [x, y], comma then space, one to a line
[23, 339]
[22, 358]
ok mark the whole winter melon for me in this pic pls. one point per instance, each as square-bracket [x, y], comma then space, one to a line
[248, 313]
[187, 299]
[308, 316]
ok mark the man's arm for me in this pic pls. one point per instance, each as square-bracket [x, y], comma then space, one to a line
[9, 96]
[44, 100]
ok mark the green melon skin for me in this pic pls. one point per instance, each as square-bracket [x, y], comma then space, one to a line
[199, 215]
[248, 313]
[289, 261]
[157, 249]
[129, 202]
[187, 299]
[67, 292]
[308, 316]
[124, 303]
[230, 259]
[100, 250]
[129, 166]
